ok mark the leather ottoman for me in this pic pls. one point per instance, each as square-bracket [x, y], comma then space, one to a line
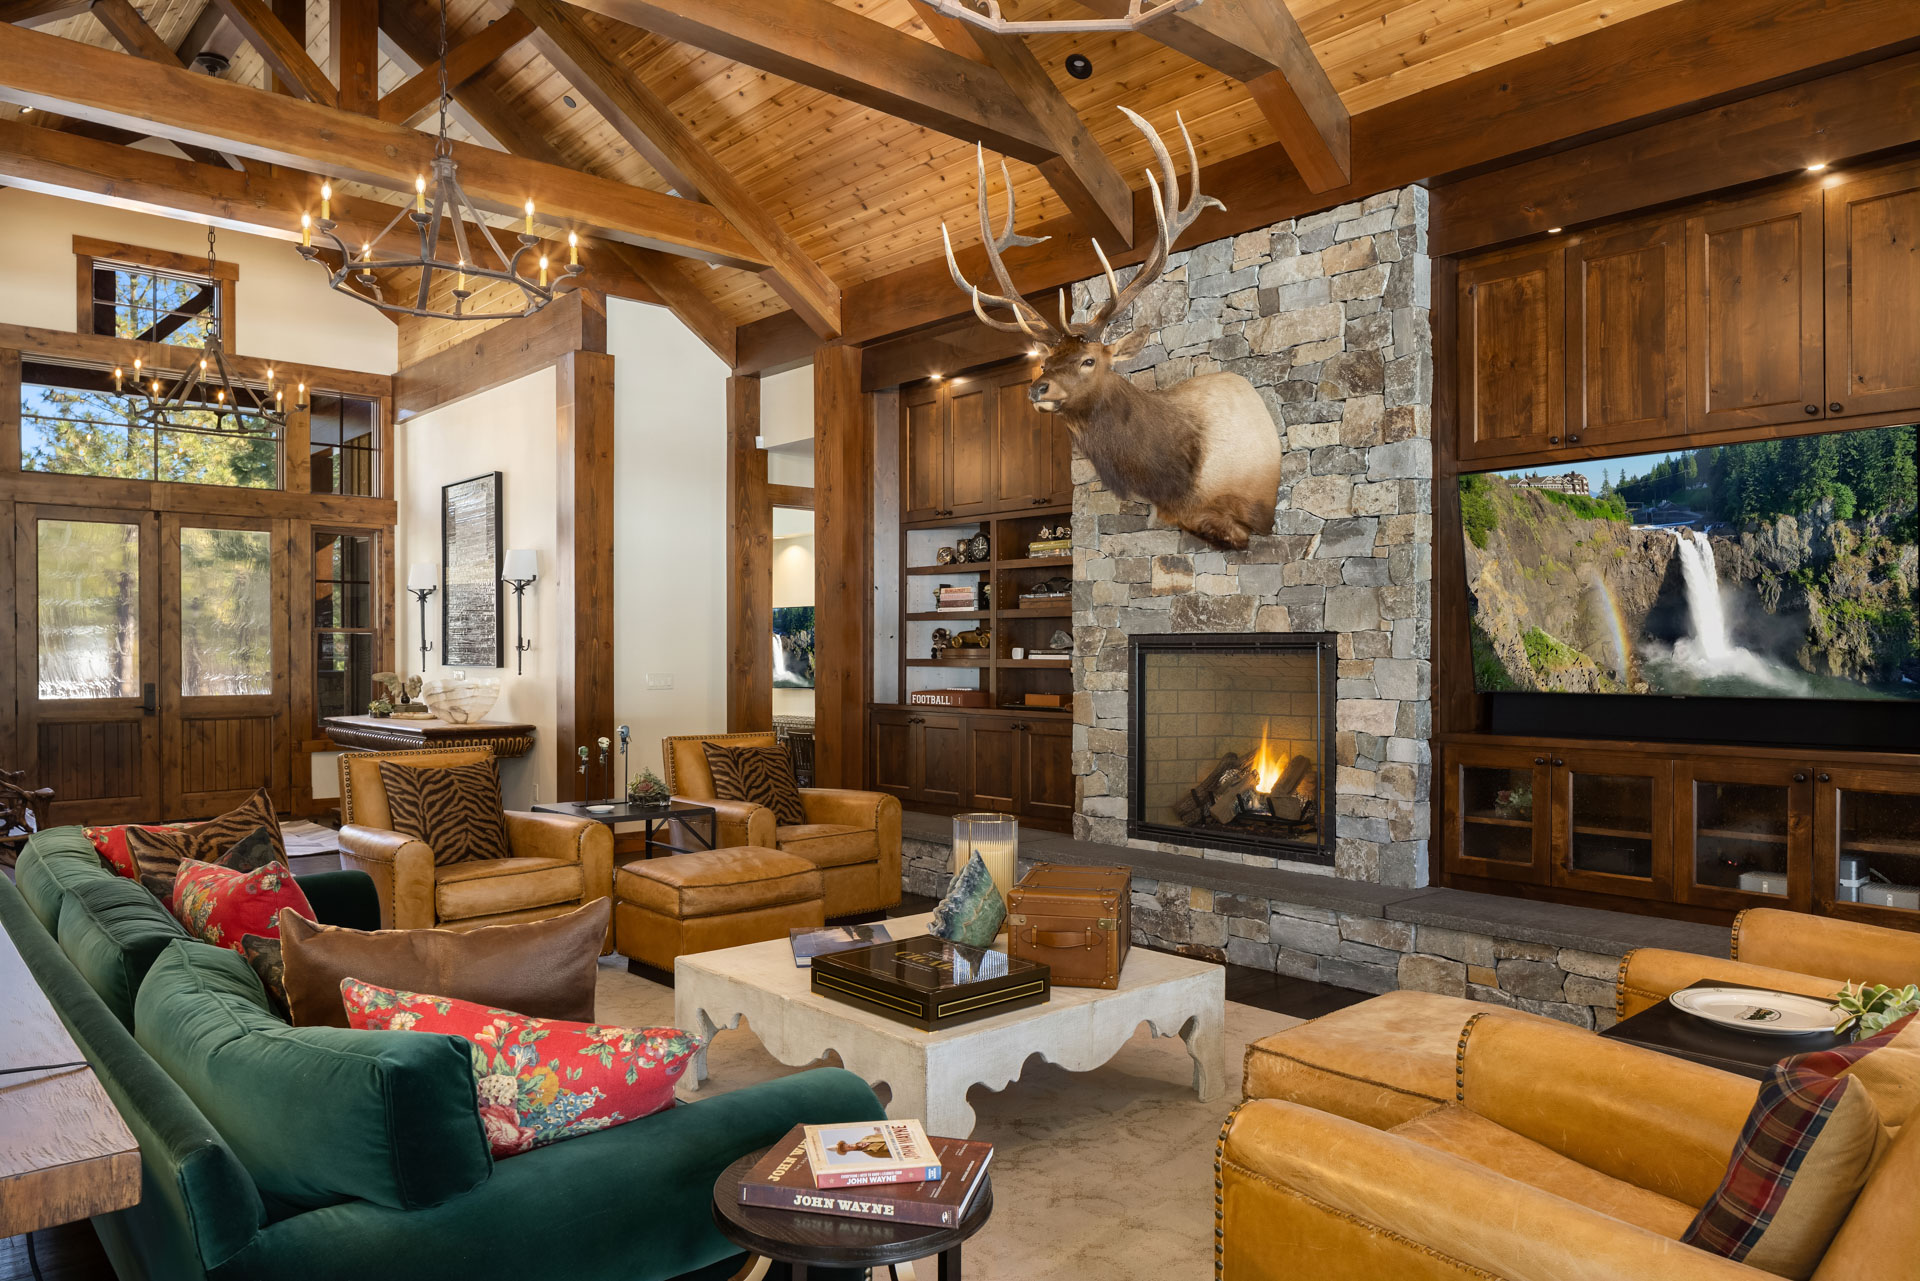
[1382, 1062]
[665, 908]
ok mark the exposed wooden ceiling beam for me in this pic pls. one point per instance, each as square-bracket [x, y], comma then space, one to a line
[671, 280]
[1079, 172]
[35, 13]
[124, 23]
[673, 149]
[819, 44]
[200, 35]
[353, 34]
[283, 51]
[1258, 43]
[416, 98]
[44, 71]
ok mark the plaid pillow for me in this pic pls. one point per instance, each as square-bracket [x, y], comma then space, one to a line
[1802, 1158]
[763, 775]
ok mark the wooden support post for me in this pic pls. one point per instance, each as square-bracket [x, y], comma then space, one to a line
[749, 564]
[584, 560]
[842, 577]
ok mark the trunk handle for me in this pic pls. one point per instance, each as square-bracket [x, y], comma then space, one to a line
[1061, 938]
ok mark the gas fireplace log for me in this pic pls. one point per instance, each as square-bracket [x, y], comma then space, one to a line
[1290, 777]
[1222, 783]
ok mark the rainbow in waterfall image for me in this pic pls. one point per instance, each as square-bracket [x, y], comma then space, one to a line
[1773, 569]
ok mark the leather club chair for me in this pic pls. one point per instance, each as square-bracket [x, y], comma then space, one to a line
[557, 863]
[853, 837]
[1780, 950]
[1556, 1156]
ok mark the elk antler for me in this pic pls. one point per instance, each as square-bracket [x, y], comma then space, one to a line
[1026, 318]
[1166, 195]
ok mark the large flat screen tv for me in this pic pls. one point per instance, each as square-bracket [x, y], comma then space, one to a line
[1771, 569]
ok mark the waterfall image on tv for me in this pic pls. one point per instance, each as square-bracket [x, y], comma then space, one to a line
[1772, 569]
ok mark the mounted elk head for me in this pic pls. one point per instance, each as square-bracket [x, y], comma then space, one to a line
[1205, 452]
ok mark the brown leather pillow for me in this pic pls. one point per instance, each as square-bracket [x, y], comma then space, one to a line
[455, 809]
[541, 968]
[763, 775]
[158, 851]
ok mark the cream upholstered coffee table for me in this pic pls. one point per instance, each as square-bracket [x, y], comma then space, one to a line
[929, 1073]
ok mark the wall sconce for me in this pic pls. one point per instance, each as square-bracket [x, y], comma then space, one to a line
[518, 571]
[423, 581]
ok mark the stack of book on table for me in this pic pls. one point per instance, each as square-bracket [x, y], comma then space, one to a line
[870, 1170]
[951, 600]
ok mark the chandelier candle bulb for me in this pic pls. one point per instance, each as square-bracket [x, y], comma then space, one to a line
[573, 250]
[529, 217]
[326, 201]
[306, 232]
[543, 269]
[116, 380]
[420, 194]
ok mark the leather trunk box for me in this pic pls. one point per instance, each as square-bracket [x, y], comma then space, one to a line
[1076, 921]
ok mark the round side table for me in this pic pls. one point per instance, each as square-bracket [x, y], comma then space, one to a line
[797, 1242]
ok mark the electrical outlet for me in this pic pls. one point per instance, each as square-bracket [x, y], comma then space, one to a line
[536, 793]
[659, 680]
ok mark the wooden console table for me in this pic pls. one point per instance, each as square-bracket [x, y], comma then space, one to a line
[392, 734]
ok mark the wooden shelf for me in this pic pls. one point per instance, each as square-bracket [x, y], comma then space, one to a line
[1909, 848]
[948, 662]
[1052, 609]
[1617, 833]
[1494, 820]
[1034, 562]
[971, 567]
[943, 615]
[1726, 834]
[1058, 664]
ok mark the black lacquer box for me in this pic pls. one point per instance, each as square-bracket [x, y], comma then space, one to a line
[930, 983]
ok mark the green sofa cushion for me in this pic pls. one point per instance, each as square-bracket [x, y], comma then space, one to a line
[52, 863]
[318, 1115]
[113, 931]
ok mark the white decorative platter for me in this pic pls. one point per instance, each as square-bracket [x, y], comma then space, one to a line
[1771, 1013]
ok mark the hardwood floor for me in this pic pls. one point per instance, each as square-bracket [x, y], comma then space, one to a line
[70, 1252]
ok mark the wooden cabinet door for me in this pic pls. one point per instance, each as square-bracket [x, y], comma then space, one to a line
[1046, 769]
[1873, 293]
[1626, 358]
[1868, 820]
[1498, 804]
[1060, 451]
[894, 749]
[1612, 823]
[1754, 325]
[942, 759]
[1738, 825]
[1023, 459]
[993, 764]
[970, 414]
[1512, 329]
[923, 449]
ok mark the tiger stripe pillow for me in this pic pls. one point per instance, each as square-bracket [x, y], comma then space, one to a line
[763, 775]
[454, 809]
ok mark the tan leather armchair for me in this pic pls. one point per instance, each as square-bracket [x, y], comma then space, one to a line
[1784, 951]
[1563, 1157]
[558, 863]
[852, 837]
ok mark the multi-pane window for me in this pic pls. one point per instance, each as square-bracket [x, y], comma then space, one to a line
[345, 451]
[344, 635]
[73, 421]
[149, 304]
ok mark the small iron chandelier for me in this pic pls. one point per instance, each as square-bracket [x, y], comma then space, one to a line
[208, 387]
[441, 200]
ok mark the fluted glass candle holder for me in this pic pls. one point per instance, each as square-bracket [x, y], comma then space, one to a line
[995, 838]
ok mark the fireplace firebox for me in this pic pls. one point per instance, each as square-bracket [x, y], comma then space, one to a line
[1230, 742]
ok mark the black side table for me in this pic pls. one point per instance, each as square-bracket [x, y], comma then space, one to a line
[800, 1244]
[1669, 1029]
[644, 843]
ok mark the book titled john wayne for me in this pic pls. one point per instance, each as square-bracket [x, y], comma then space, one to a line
[869, 1152]
[783, 1180]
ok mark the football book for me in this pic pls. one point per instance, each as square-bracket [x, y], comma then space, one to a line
[809, 941]
[870, 1152]
[783, 1180]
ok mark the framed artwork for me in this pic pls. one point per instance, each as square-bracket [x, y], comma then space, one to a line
[793, 647]
[470, 613]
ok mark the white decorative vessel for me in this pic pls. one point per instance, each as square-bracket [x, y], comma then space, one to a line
[461, 700]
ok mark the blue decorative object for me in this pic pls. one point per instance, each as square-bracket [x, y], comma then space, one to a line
[971, 912]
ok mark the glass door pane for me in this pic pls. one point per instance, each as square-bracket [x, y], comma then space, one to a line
[1497, 813]
[344, 636]
[1610, 818]
[226, 612]
[1879, 849]
[89, 609]
[1740, 835]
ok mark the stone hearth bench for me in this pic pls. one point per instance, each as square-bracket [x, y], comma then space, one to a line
[1546, 958]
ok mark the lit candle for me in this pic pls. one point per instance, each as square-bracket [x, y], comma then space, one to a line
[573, 250]
[460, 276]
[220, 397]
[326, 201]
[136, 369]
[420, 194]
[529, 217]
[543, 269]
[302, 393]
[156, 387]
[116, 373]
[306, 232]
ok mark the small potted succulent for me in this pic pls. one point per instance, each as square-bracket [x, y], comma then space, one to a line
[1513, 802]
[379, 707]
[647, 789]
[1868, 1010]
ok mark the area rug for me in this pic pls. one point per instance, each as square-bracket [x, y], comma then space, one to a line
[1103, 1174]
[305, 839]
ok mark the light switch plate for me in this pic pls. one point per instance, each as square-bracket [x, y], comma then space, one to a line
[659, 680]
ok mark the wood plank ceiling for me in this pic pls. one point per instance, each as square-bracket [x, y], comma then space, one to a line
[863, 193]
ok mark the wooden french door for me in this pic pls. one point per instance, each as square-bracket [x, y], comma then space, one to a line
[151, 669]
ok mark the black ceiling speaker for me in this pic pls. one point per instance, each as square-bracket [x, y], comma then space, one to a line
[1079, 66]
[213, 64]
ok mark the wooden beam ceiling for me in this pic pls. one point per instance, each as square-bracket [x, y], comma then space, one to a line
[1258, 43]
[353, 34]
[124, 23]
[1078, 170]
[681, 158]
[32, 13]
[200, 34]
[419, 96]
[282, 50]
[112, 88]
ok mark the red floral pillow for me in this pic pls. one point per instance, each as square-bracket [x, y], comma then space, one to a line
[538, 1080]
[221, 906]
[111, 842]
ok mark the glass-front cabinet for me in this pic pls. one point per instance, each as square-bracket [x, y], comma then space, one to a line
[1866, 846]
[1610, 828]
[1744, 831]
[1497, 804]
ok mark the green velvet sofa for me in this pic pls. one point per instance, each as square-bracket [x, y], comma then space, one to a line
[630, 1203]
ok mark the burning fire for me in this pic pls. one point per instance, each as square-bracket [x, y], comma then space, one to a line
[1267, 765]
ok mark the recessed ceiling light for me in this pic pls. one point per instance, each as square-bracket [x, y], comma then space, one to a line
[934, 377]
[1816, 166]
[26, 111]
[1553, 231]
[568, 99]
[1079, 66]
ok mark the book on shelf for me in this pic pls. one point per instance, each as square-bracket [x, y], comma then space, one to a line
[783, 1180]
[948, 698]
[809, 941]
[866, 1153]
[1054, 547]
[1049, 655]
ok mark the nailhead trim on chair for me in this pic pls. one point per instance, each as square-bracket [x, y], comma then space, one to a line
[1460, 1059]
[1219, 1194]
[1733, 945]
[1620, 987]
